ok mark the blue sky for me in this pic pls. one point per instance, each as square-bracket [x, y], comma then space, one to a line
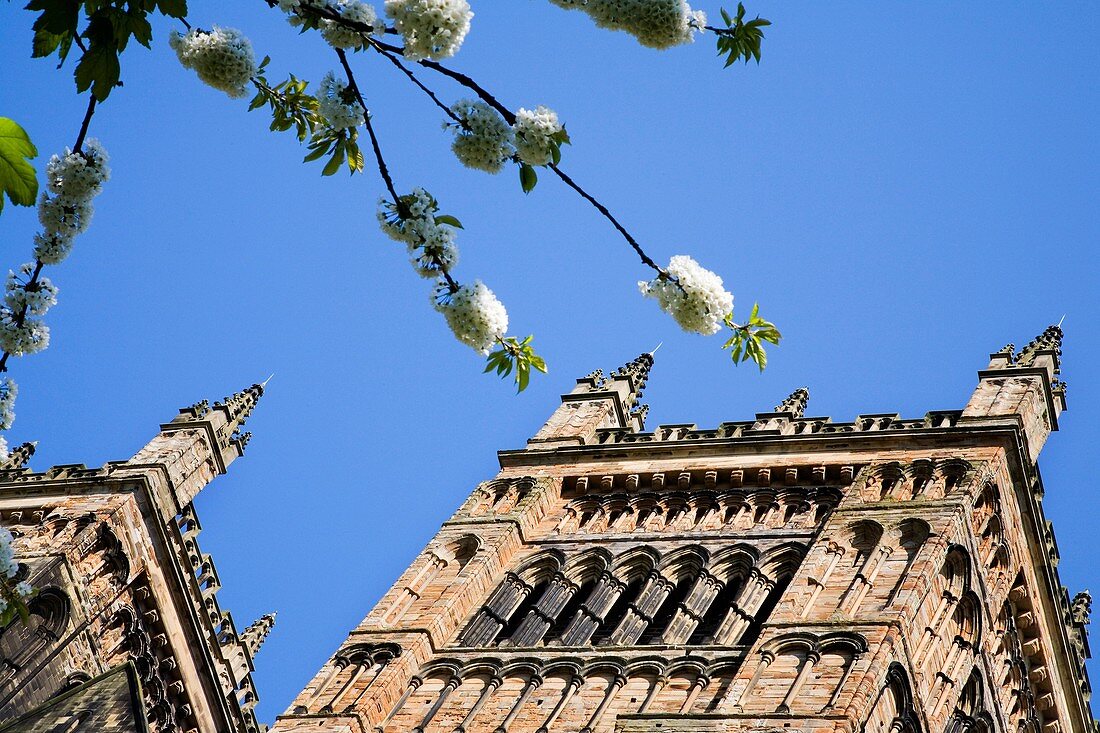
[903, 186]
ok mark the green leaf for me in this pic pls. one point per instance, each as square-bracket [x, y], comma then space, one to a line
[98, 69]
[335, 161]
[449, 220]
[528, 179]
[17, 176]
[515, 355]
[172, 8]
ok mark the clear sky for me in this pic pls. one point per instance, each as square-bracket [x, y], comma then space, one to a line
[905, 187]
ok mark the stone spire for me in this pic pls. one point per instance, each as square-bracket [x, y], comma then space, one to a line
[637, 372]
[795, 404]
[598, 402]
[200, 443]
[255, 635]
[1025, 386]
[18, 457]
[1048, 340]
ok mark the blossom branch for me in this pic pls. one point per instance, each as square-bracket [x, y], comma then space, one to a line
[383, 169]
[390, 52]
[383, 49]
[20, 317]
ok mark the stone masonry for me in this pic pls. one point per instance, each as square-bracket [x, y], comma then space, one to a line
[123, 586]
[782, 574]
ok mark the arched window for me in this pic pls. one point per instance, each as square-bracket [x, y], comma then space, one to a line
[565, 616]
[618, 611]
[666, 611]
[717, 612]
[521, 611]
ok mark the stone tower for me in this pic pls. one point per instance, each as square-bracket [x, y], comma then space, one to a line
[125, 633]
[884, 575]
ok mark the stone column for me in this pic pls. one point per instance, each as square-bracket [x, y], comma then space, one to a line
[811, 659]
[450, 686]
[832, 558]
[700, 684]
[575, 683]
[766, 658]
[612, 690]
[414, 683]
[532, 684]
[658, 685]
[490, 687]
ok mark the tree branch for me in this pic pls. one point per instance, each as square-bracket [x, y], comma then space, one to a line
[383, 169]
[21, 316]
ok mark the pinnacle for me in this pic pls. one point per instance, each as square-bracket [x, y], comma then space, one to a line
[795, 403]
[256, 633]
[1048, 340]
[240, 404]
[19, 456]
[637, 372]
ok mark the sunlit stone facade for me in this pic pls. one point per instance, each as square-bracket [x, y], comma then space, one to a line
[784, 573]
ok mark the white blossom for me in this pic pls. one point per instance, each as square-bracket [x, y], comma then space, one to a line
[221, 57]
[340, 36]
[8, 392]
[336, 107]
[699, 303]
[483, 140]
[37, 299]
[432, 29]
[654, 23]
[20, 339]
[8, 566]
[23, 588]
[535, 132]
[63, 216]
[52, 248]
[475, 316]
[430, 243]
[78, 175]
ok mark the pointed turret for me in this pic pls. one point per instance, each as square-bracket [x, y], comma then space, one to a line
[795, 404]
[200, 443]
[255, 635]
[598, 402]
[1049, 341]
[18, 457]
[636, 373]
[1025, 387]
[237, 409]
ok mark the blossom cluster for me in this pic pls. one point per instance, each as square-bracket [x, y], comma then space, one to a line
[340, 36]
[412, 220]
[695, 297]
[9, 568]
[476, 317]
[65, 211]
[483, 140]
[8, 391]
[432, 29]
[221, 57]
[65, 207]
[474, 314]
[655, 23]
[536, 131]
[335, 105]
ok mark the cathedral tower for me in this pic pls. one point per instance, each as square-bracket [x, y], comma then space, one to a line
[885, 575]
[125, 633]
